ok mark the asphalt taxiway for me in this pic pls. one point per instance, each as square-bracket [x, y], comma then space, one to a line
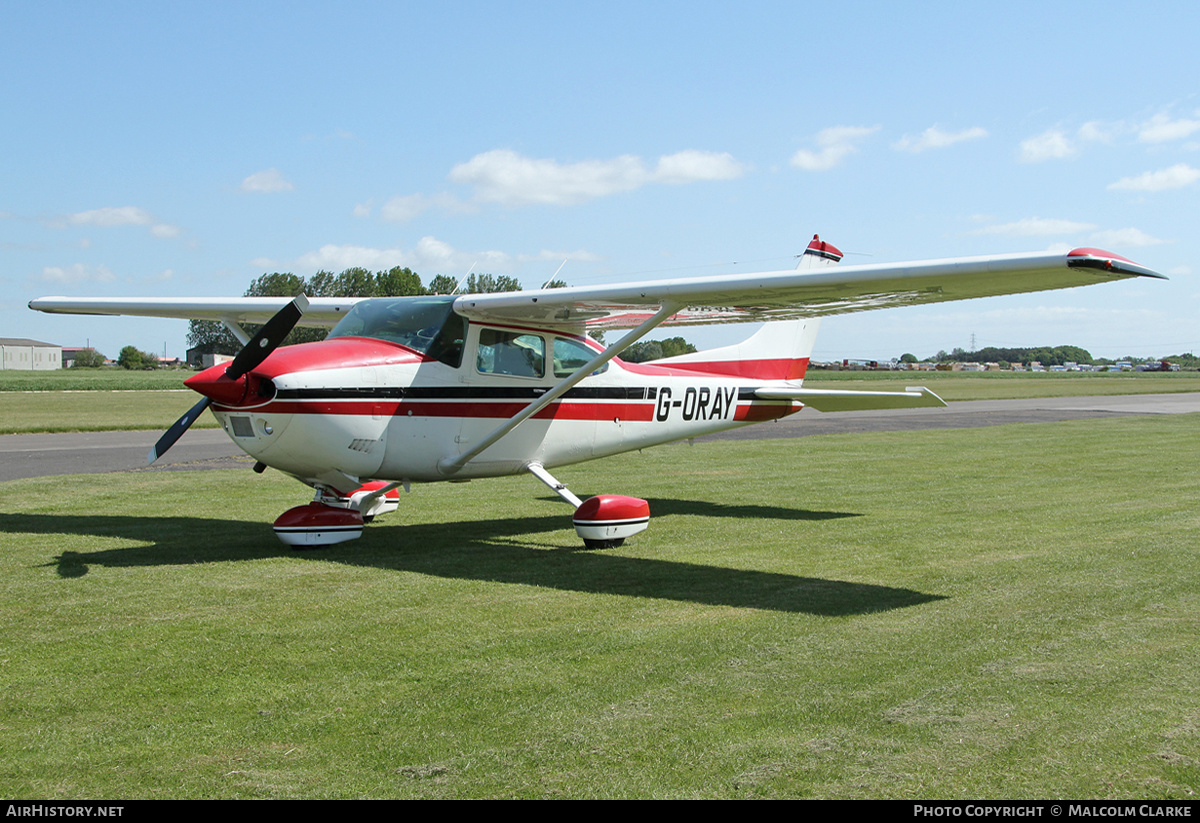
[47, 455]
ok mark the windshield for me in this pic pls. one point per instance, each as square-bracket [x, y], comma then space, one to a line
[424, 324]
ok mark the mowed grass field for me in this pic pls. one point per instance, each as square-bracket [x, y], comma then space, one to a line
[115, 399]
[999, 613]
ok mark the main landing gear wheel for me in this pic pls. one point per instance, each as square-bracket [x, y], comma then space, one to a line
[603, 544]
[603, 521]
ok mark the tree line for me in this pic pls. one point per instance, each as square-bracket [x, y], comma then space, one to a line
[211, 337]
[643, 351]
[1046, 355]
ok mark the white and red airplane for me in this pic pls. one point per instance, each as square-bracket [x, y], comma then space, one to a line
[444, 388]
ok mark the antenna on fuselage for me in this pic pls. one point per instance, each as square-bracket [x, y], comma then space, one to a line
[553, 276]
[464, 278]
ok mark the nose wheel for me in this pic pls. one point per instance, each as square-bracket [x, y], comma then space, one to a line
[332, 519]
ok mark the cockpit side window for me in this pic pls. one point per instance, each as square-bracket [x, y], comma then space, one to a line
[511, 353]
[448, 345]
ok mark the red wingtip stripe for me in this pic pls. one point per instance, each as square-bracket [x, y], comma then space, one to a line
[1090, 252]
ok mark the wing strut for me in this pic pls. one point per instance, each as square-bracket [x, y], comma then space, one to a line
[452, 463]
[236, 330]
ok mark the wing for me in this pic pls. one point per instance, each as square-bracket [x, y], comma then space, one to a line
[738, 298]
[322, 311]
[791, 294]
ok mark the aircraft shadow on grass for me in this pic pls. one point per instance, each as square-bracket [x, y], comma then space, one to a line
[502, 550]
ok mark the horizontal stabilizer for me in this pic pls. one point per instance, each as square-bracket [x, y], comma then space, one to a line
[834, 400]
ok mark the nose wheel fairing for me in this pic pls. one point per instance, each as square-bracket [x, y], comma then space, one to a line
[332, 518]
[604, 521]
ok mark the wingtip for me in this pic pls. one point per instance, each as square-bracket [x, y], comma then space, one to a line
[1107, 261]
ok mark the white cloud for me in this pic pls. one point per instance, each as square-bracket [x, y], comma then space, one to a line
[693, 166]
[111, 216]
[1037, 227]
[550, 256]
[836, 143]
[505, 177]
[431, 252]
[77, 273]
[1175, 177]
[363, 209]
[333, 257]
[1050, 145]
[1097, 131]
[403, 209]
[935, 138]
[1160, 128]
[1124, 238]
[265, 182]
[431, 256]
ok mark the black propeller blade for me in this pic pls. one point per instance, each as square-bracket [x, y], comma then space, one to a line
[268, 337]
[257, 350]
[176, 431]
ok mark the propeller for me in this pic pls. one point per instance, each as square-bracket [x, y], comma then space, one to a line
[252, 354]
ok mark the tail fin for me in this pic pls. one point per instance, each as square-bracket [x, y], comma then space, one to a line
[818, 254]
[777, 351]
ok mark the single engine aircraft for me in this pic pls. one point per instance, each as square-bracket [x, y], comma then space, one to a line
[450, 388]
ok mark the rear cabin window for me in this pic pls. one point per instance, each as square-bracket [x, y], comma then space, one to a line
[570, 354]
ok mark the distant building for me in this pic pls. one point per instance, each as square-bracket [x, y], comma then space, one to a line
[202, 360]
[21, 354]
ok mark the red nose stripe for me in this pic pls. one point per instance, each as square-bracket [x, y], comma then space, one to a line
[214, 383]
[343, 352]
[339, 353]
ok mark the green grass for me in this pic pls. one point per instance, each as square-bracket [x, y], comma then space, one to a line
[1001, 614]
[63, 411]
[106, 379]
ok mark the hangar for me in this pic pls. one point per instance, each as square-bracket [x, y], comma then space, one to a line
[22, 354]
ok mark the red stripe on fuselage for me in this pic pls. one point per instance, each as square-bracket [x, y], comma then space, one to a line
[756, 413]
[778, 369]
[501, 410]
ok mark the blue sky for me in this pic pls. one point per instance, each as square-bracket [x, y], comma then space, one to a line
[185, 148]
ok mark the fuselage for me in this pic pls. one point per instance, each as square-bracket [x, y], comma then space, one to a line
[353, 408]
